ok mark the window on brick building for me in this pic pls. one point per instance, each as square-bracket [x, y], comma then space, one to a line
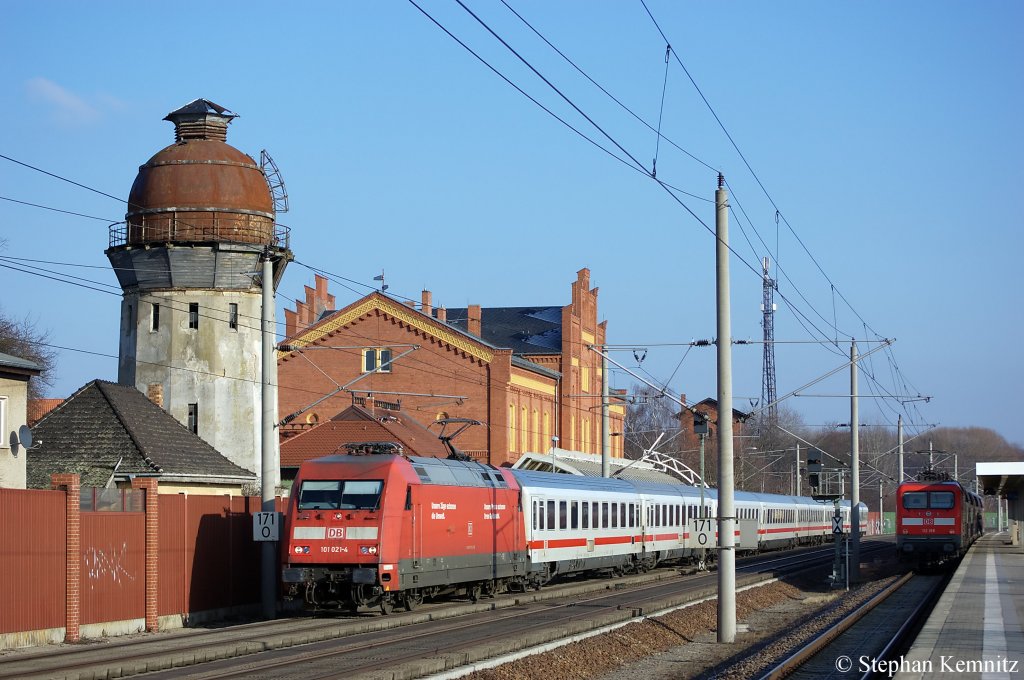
[524, 431]
[154, 319]
[233, 316]
[193, 315]
[193, 418]
[512, 427]
[376, 360]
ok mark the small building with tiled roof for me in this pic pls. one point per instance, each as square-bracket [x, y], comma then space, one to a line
[527, 373]
[358, 424]
[15, 372]
[109, 433]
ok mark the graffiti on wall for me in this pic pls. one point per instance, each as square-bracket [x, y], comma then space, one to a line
[102, 564]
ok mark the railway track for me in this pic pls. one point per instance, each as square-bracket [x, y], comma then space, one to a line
[369, 645]
[866, 641]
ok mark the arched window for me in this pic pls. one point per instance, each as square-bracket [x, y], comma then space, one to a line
[511, 427]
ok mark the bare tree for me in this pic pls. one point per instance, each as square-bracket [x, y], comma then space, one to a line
[23, 339]
[649, 414]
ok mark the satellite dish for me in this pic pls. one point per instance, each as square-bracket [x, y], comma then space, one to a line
[25, 436]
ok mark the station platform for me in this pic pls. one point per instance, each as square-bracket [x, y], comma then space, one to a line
[975, 629]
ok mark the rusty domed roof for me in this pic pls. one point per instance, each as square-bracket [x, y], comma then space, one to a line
[200, 188]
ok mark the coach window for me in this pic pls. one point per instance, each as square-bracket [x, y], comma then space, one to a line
[574, 517]
[586, 514]
[915, 500]
[551, 515]
[941, 500]
[563, 515]
[615, 515]
[604, 516]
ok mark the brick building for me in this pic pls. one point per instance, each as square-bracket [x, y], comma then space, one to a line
[525, 373]
[708, 408]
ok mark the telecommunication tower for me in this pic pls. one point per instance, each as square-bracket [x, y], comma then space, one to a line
[768, 395]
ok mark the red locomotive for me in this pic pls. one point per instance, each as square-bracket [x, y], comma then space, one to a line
[937, 519]
[383, 530]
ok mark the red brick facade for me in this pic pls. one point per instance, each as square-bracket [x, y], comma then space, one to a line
[521, 408]
[709, 408]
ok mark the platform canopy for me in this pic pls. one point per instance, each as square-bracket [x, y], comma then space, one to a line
[1002, 479]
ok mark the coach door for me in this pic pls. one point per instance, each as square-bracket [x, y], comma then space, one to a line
[538, 521]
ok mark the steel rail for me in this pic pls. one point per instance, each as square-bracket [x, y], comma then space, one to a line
[822, 640]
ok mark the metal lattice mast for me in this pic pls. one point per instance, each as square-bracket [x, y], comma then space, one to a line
[768, 395]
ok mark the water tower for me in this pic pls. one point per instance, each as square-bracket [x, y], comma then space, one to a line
[200, 222]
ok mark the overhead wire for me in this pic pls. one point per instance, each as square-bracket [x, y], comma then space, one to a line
[636, 163]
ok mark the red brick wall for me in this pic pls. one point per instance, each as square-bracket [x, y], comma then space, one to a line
[434, 368]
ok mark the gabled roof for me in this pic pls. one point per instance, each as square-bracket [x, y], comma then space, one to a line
[357, 424]
[526, 330]
[105, 428]
[737, 414]
[446, 333]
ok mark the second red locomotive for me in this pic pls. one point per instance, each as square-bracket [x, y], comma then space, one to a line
[937, 519]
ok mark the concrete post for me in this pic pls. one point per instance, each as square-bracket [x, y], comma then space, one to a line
[798, 468]
[606, 423]
[899, 437]
[726, 512]
[855, 468]
[269, 465]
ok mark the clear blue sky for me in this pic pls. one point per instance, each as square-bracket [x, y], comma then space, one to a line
[888, 135]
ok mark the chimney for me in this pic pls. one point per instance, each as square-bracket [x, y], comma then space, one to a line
[155, 392]
[425, 305]
[473, 320]
[442, 315]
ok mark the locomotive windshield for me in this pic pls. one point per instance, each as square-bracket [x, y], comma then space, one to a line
[936, 500]
[320, 494]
